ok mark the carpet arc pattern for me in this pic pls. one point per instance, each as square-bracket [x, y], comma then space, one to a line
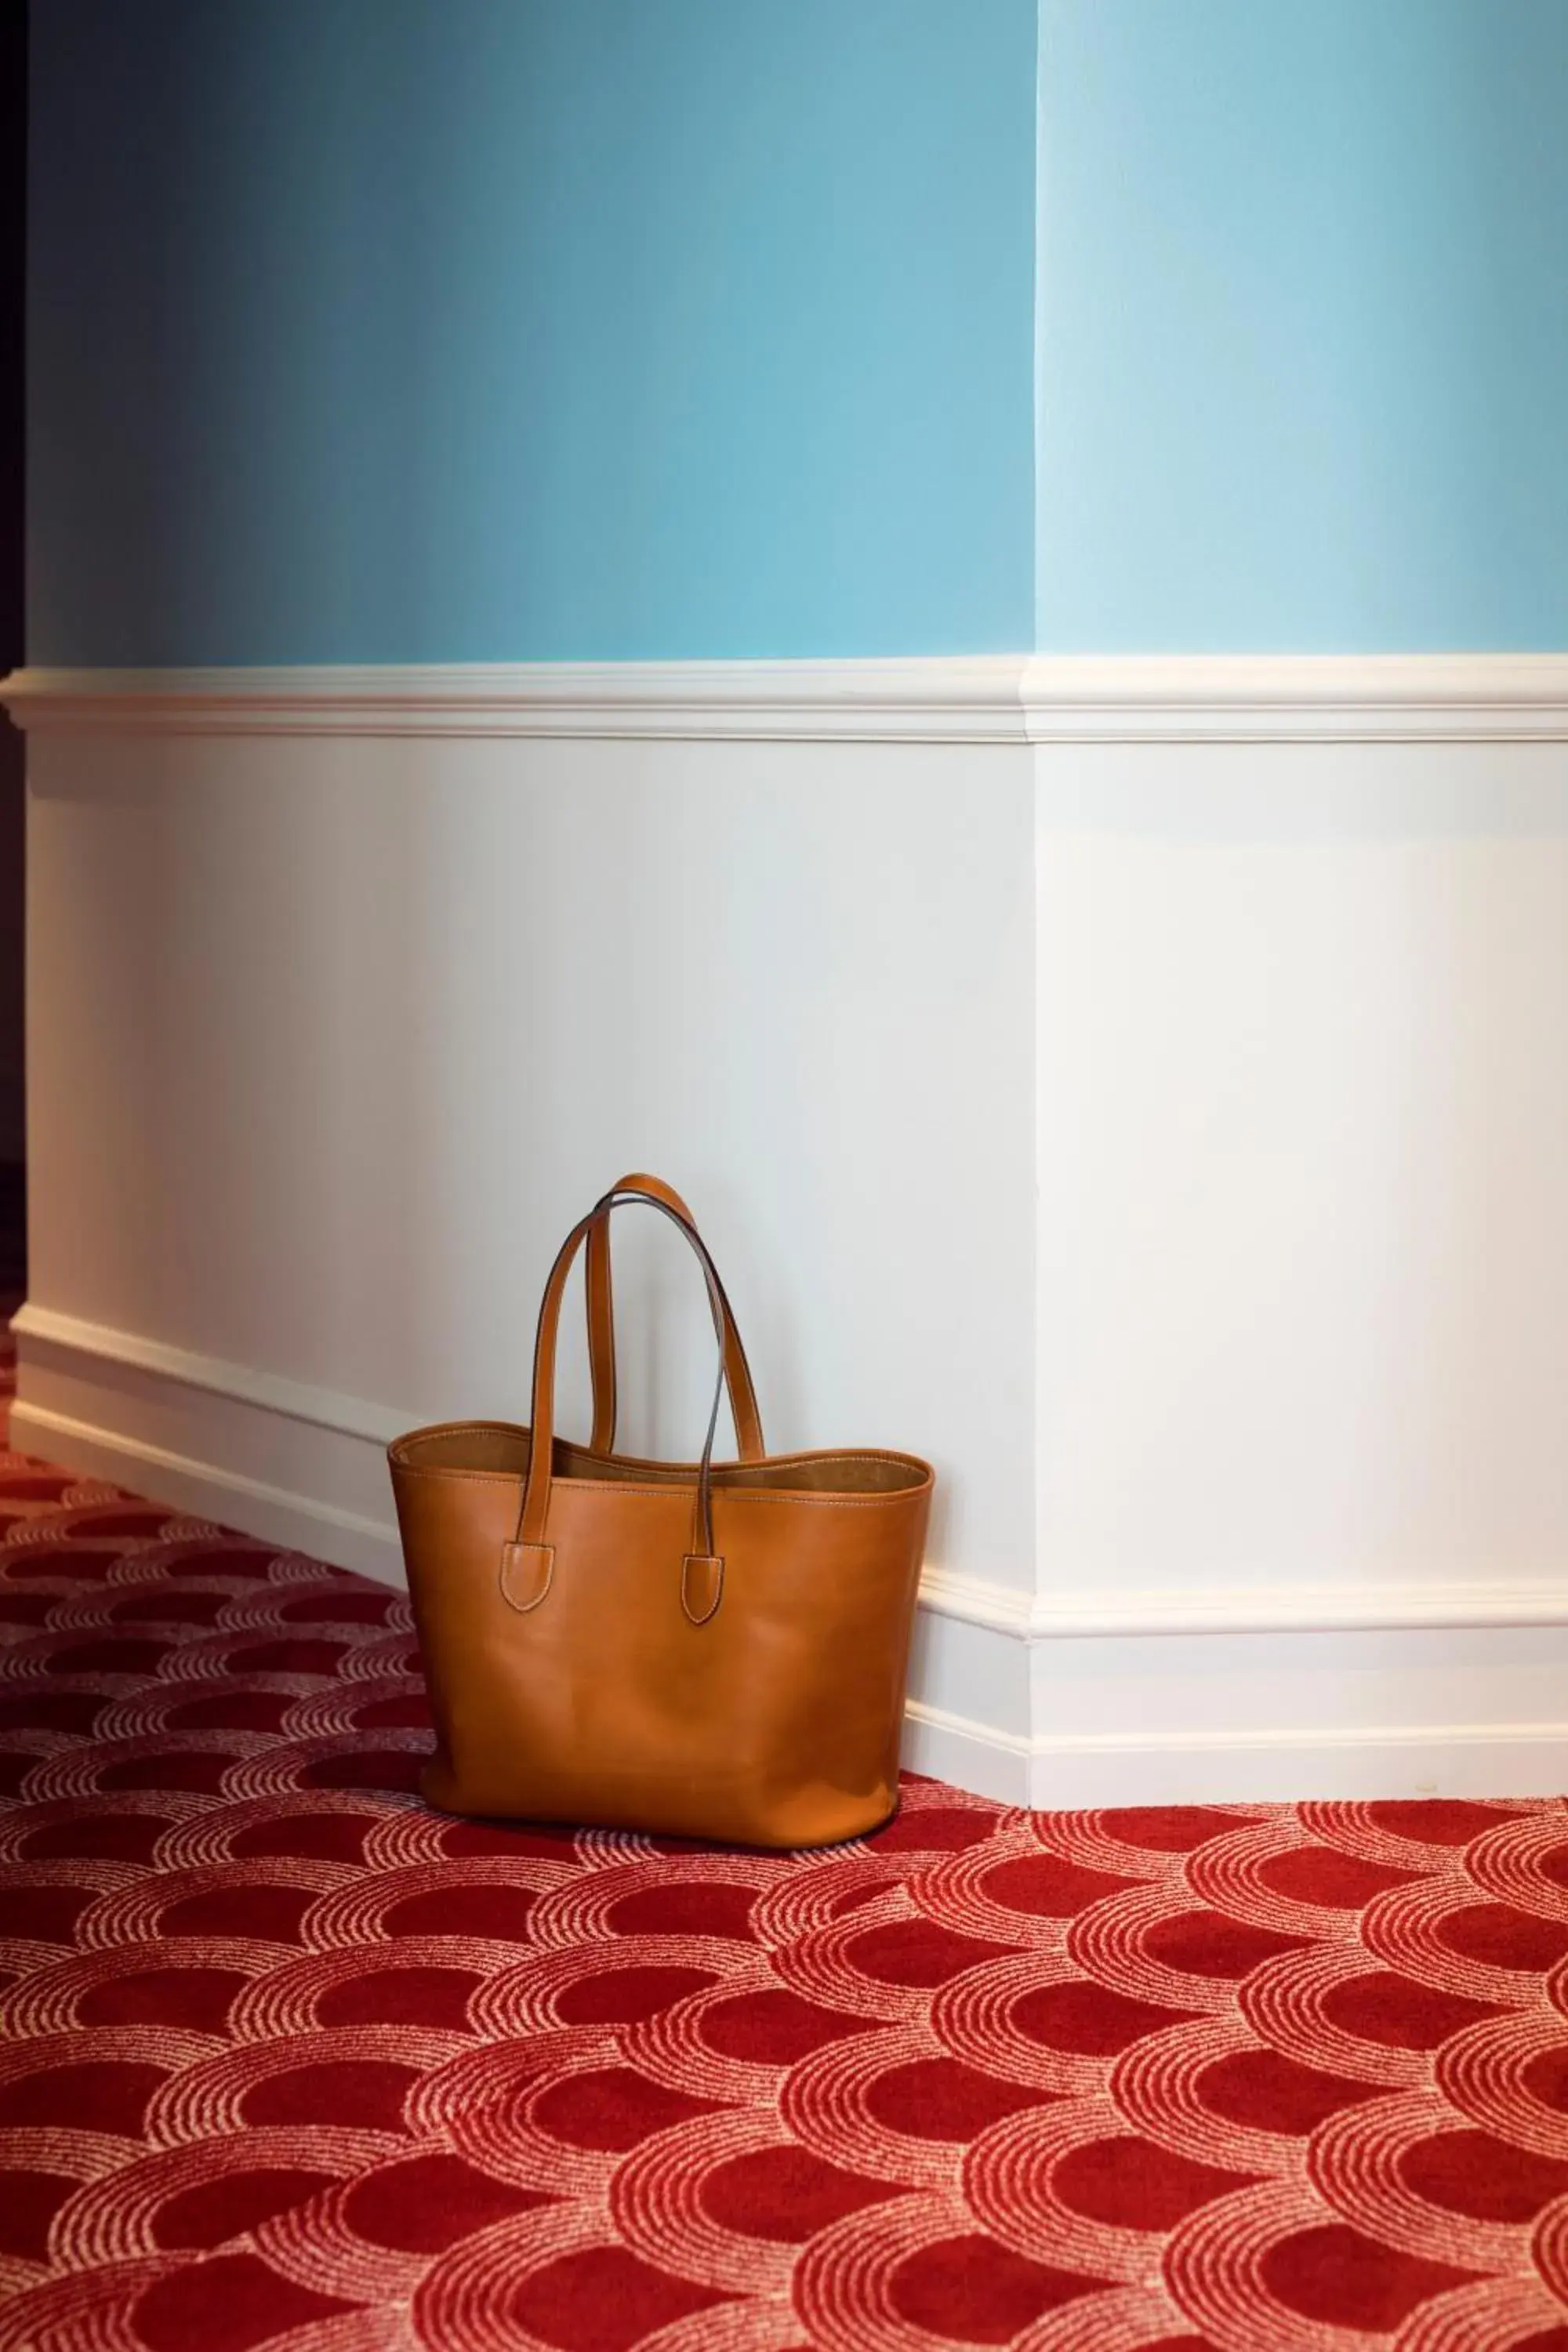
[290, 2060]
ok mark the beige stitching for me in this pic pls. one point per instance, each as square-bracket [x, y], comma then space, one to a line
[520, 1429]
[525, 1607]
[727, 1494]
[716, 1559]
[482, 1428]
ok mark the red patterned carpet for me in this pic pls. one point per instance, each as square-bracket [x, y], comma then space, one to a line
[289, 2060]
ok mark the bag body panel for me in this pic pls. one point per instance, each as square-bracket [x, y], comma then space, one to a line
[776, 1722]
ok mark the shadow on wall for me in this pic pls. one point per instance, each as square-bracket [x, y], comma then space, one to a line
[601, 333]
[12, 895]
[12, 273]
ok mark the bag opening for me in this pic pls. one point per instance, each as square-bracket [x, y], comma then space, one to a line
[499, 1449]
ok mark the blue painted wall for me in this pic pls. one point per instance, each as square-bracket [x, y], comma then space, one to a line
[474, 329]
[1303, 324]
[468, 330]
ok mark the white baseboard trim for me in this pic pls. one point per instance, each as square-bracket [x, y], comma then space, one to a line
[1444, 1759]
[1013, 698]
[1265, 1606]
[249, 1506]
[975, 1756]
[970, 1600]
[1089, 1769]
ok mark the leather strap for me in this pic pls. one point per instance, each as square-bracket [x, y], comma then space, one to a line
[535, 1512]
[602, 1330]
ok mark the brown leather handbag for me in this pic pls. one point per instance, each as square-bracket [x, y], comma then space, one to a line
[711, 1650]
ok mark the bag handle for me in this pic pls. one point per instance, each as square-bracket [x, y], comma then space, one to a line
[528, 1562]
[602, 1332]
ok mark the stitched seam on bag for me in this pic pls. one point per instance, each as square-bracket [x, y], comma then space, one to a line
[488, 1428]
[526, 1608]
[827, 1502]
[730, 1494]
[565, 1478]
[721, 1494]
[462, 1429]
[715, 1560]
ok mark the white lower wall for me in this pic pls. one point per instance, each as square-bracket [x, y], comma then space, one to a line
[334, 1037]
[1303, 1104]
[1164, 1128]
[1303, 1263]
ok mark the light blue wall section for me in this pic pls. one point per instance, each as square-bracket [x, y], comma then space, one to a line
[1303, 324]
[472, 330]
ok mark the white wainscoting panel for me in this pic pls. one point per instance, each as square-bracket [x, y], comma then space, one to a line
[1141, 1085]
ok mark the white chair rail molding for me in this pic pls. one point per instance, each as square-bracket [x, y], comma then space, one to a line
[1138, 1085]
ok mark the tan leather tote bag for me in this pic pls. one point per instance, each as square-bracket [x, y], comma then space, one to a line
[707, 1650]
